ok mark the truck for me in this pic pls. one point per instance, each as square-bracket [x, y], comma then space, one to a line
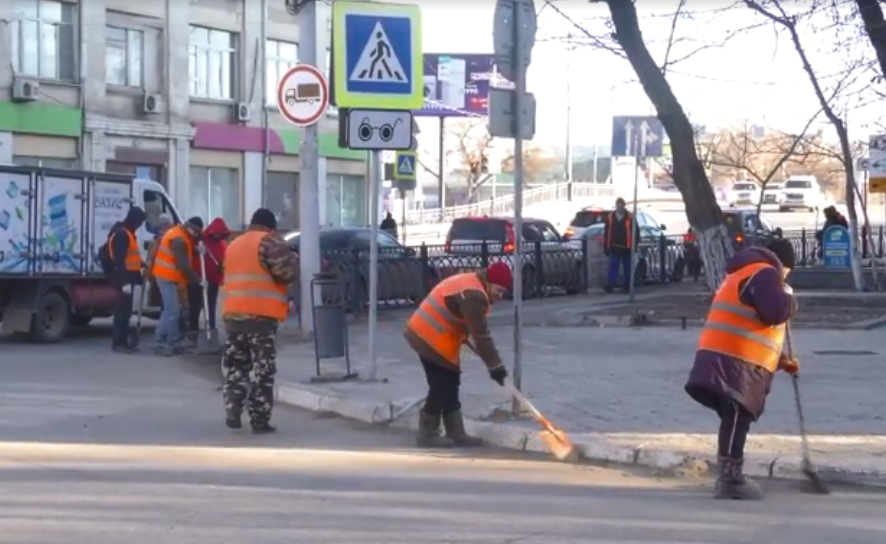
[52, 224]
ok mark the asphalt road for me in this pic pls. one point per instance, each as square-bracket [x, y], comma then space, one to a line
[97, 449]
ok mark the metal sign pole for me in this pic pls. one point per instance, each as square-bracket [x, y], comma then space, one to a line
[375, 166]
[633, 227]
[520, 82]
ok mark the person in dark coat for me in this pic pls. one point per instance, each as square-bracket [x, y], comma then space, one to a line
[832, 218]
[122, 243]
[389, 225]
[617, 243]
[733, 387]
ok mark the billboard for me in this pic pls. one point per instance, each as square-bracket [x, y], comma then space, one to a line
[457, 85]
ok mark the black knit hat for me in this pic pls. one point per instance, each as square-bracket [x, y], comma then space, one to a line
[264, 217]
[784, 250]
[196, 222]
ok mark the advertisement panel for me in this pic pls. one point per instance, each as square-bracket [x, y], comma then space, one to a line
[457, 85]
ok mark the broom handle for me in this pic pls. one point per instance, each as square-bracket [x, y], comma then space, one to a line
[795, 381]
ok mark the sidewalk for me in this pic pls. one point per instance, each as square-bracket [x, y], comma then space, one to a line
[619, 393]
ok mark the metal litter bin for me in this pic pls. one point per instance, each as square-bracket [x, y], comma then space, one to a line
[330, 325]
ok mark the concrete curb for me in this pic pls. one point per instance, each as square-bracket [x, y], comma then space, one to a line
[593, 447]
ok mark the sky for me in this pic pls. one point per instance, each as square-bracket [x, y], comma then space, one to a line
[755, 77]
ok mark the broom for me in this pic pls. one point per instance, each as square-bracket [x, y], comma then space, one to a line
[808, 468]
[554, 439]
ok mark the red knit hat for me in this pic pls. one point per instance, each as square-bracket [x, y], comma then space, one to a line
[500, 274]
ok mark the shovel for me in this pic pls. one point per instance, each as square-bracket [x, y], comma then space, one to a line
[135, 334]
[208, 342]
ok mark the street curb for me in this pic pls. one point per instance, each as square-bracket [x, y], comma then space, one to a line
[591, 447]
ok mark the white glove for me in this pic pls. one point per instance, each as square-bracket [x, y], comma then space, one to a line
[788, 289]
[127, 289]
[201, 249]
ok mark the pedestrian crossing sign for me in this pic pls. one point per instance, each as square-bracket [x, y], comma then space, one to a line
[404, 165]
[377, 55]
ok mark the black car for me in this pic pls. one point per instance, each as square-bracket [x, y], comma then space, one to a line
[746, 228]
[345, 252]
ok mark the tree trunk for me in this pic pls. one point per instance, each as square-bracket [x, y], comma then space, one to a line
[875, 27]
[689, 174]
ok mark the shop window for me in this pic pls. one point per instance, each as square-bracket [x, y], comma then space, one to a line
[345, 201]
[45, 162]
[215, 192]
[281, 197]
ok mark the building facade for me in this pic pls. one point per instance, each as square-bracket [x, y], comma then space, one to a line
[182, 92]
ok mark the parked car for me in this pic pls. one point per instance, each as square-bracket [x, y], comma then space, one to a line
[399, 270]
[746, 228]
[561, 261]
[584, 218]
[772, 195]
[744, 193]
[801, 192]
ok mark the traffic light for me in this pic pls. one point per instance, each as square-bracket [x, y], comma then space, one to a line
[484, 164]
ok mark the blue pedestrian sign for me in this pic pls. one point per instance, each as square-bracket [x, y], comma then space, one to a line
[836, 248]
[404, 166]
[637, 136]
[377, 56]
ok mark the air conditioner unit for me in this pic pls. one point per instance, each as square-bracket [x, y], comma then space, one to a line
[242, 111]
[25, 90]
[151, 104]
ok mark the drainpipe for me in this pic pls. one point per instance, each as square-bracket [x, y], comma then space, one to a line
[84, 71]
[263, 47]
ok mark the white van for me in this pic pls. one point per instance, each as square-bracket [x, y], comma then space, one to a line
[801, 192]
[52, 224]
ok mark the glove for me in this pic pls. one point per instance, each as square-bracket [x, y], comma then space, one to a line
[498, 374]
[201, 249]
[788, 289]
[127, 289]
[789, 365]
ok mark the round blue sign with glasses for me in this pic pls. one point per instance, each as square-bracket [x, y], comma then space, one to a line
[836, 247]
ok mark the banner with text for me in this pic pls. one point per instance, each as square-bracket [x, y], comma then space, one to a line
[457, 85]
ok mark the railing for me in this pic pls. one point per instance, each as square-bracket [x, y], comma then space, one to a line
[504, 205]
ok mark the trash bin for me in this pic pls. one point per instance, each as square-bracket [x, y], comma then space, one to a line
[330, 325]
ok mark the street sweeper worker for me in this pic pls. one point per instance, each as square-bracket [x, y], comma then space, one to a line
[453, 313]
[739, 351]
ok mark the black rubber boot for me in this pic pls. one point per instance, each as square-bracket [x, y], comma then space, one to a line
[232, 420]
[732, 483]
[429, 432]
[455, 431]
[263, 428]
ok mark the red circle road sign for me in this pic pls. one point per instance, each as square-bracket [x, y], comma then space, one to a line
[303, 95]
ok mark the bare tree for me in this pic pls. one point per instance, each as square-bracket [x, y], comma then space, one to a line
[871, 13]
[760, 158]
[689, 173]
[775, 12]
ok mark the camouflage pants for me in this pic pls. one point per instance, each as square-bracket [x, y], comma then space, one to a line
[251, 365]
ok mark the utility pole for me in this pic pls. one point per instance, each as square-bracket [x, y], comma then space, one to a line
[569, 116]
[309, 177]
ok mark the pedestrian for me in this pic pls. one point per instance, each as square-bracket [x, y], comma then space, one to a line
[454, 313]
[259, 267]
[389, 225]
[832, 218]
[739, 351]
[172, 271]
[215, 243]
[617, 243]
[127, 273]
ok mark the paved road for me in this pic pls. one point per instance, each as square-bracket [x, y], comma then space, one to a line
[96, 449]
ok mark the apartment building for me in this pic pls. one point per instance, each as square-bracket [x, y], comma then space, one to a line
[182, 92]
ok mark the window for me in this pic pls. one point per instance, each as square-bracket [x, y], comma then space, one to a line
[281, 197]
[798, 184]
[211, 63]
[280, 57]
[43, 43]
[152, 172]
[345, 201]
[45, 162]
[124, 51]
[157, 206]
[215, 192]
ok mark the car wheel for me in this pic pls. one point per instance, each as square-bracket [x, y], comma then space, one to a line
[50, 321]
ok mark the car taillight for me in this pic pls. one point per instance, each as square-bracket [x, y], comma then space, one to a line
[570, 232]
[509, 239]
[689, 238]
[739, 238]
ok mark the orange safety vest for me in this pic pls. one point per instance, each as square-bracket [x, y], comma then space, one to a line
[628, 224]
[249, 288]
[133, 258]
[165, 267]
[436, 325]
[734, 328]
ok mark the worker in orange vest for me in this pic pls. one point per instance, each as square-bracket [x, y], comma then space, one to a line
[172, 272]
[453, 313]
[127, 272]
[739, 351]
[259, 267]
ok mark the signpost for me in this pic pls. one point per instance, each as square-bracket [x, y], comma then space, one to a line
[836, 247]
[377, 75]
[876, 167]
[638, 137]
[302, 98]
[513, 37]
